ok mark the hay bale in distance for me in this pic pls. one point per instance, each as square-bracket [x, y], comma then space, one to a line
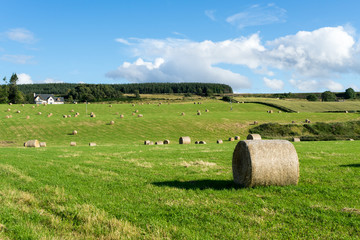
[112, 123]
[39, 113]
[198, 113]
[185, 140]
[296, 139]
[350, 139]
[32, 143]
[219, 141]
[307, 121]
[9, 110]
[166, 141]
[207, 110]
[28, 117]
[264, 163]
[202, 142]
[136, 111]
[237, 137]
[42, 144]
[253, 137]
[231, 139]
[292, 121]
[110, 105]
[72, 144]
[196, 142]
[64, 116]
[256, 122]
[147, 142]
[133, 114]
[7, 116]
[33, 106]
[140, 115]
[92, 144]
[69, 116]
[74, 132]
[122, 116]
[72, 110]
[159, 143]
[182, 114]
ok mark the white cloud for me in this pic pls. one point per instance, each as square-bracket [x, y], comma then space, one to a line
[258, 15]
[210, 14]
[273, 84]
[51, 80]
[24, 78]
[21, 35]
[316, 85]
[18, 59]
[123, 41]
[323, 54]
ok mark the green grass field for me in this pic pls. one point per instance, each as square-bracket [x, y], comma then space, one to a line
[122, 189]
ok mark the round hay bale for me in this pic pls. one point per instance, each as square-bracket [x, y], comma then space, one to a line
[37, 105]
[196, 142]
[219, 141]
[146, 142]
[42, 144]
[256, 122]
[270, 111]
[198, 113]
[22, 105]
[159, 143]
[69, 116]
[39, 113]
[295, 139]
[72, 110]
[279, 111]
[350, 139]
[28, 117]
[77, 113]
[32, 143]
[231, 139]
[307, 120]
[237, 137]
[92, 144]
[202, 142]
[110, 105]
[117, 113]
[140, 115]
[182, 114]
[93, 115]
[10, 104]
[292, 121]
[64, 116]
[7, 116]
[74, 132]
[184, 140]
[72, 144]
[207, 110]
[253, 137]
[122, 116]
[133, 114]
[33, 106]
[136, 111]
[264, 163]
[151, 143]
[9, 110]
[166, 141]
[133, 105]
[346, 112]
[112, 123]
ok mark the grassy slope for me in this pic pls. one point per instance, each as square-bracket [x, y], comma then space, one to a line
[306, 106]
[125, 189]
[159, 122]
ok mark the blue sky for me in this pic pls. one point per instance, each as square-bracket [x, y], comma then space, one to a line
[254, 46]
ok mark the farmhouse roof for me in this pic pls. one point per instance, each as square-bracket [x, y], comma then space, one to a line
[47, 96]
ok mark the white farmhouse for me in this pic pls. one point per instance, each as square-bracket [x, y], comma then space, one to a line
[48, 99]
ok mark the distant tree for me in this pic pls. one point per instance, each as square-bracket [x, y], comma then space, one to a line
[4, 93]
[15, 96]
[328, 96]
[350, 93]
[312, 97]
[137, 94]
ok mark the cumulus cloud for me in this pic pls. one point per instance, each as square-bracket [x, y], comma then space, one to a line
[323, 54]
[273, 84]
[24, 78]
[123, 41]
[21, 35]
[315, 85]
[51, 80]
[18, 59]
[258, 15]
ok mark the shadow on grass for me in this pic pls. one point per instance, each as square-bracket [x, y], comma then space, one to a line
[200, 184]
[351, 165]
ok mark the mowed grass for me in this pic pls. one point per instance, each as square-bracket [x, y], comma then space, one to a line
[174, 192]
[159, 122]
[123, 189]
[306, 106]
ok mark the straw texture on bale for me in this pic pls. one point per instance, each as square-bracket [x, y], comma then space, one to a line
[295, 139]
[72, 144]
[42, 144]
[92, 144]
[159, 143]
[237, 138]
[166, 141]
[219, 141]
[264, 163]
[253, 137]
[184, 140]
[32, 143]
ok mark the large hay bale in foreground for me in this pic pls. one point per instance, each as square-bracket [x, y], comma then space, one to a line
[72, 144]
[264, 163]
[42, 144]
[253, 137]
[32, 143]
[184, 140]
